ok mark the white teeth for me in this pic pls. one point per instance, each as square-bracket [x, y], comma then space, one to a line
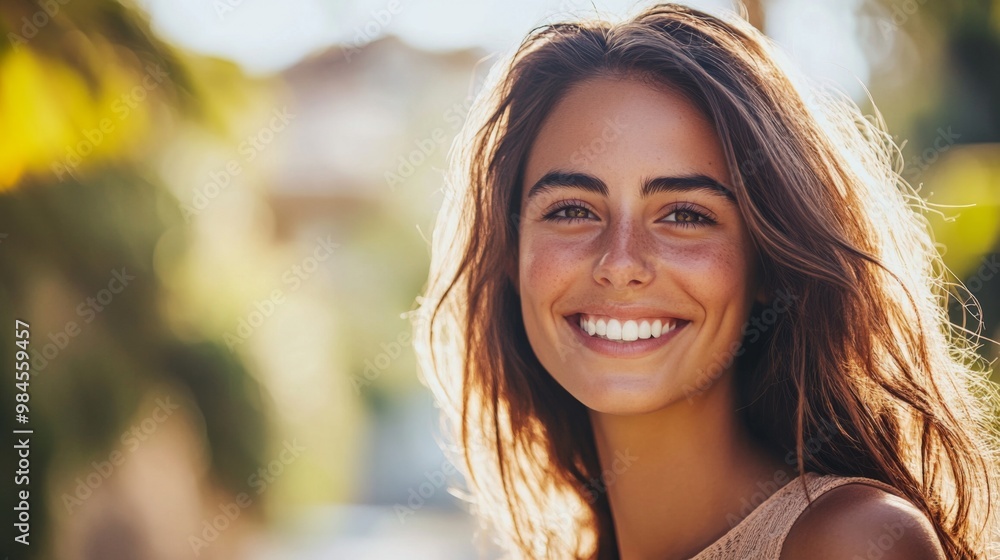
[644, 330]
[614, 329]
[628, 330]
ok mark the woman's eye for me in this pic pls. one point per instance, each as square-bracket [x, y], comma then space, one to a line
[684, 217]
[688, 217]
[569, 213]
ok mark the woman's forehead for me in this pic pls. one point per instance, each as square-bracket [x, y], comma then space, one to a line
[623, 129]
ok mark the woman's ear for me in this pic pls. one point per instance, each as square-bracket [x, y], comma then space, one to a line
[512, 271]
[761, 295]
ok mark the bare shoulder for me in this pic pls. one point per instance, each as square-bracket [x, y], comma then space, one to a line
[860, 520]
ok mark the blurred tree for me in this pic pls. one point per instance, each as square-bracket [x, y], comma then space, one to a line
[937, 62]
[85, 93]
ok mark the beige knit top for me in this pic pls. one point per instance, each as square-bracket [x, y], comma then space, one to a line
[760, 534]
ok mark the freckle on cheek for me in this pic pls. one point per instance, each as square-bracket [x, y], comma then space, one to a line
[711, 265]
[728, 269]
[539, 270]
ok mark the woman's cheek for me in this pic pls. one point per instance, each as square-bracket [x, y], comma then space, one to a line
[714, 272]
[549, 261]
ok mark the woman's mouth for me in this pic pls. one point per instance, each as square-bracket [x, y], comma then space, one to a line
[619, 337]
[626, 330]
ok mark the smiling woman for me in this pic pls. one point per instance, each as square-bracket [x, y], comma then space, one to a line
[715, 329]
[659, 245]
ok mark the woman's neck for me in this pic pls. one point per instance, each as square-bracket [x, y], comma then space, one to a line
[681, 477]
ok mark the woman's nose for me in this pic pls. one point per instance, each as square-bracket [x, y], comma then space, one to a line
[623, 262]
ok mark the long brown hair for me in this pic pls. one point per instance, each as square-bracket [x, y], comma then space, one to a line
[867, 358]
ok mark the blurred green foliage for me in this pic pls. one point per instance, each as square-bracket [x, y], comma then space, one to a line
[79, 207]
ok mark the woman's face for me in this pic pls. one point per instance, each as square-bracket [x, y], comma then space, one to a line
[635, 269]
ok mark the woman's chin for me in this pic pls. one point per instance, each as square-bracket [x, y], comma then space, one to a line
[623, 396]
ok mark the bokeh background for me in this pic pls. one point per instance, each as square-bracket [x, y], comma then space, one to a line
[214, 214]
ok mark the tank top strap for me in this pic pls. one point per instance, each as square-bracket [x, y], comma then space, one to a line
[761, 534]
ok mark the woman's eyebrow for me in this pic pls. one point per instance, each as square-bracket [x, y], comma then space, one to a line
[683, 183]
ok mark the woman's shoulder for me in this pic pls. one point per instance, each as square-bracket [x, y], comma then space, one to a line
[861, 518]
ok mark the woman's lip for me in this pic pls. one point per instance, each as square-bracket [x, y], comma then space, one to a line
[623, 318]
[616, 349]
